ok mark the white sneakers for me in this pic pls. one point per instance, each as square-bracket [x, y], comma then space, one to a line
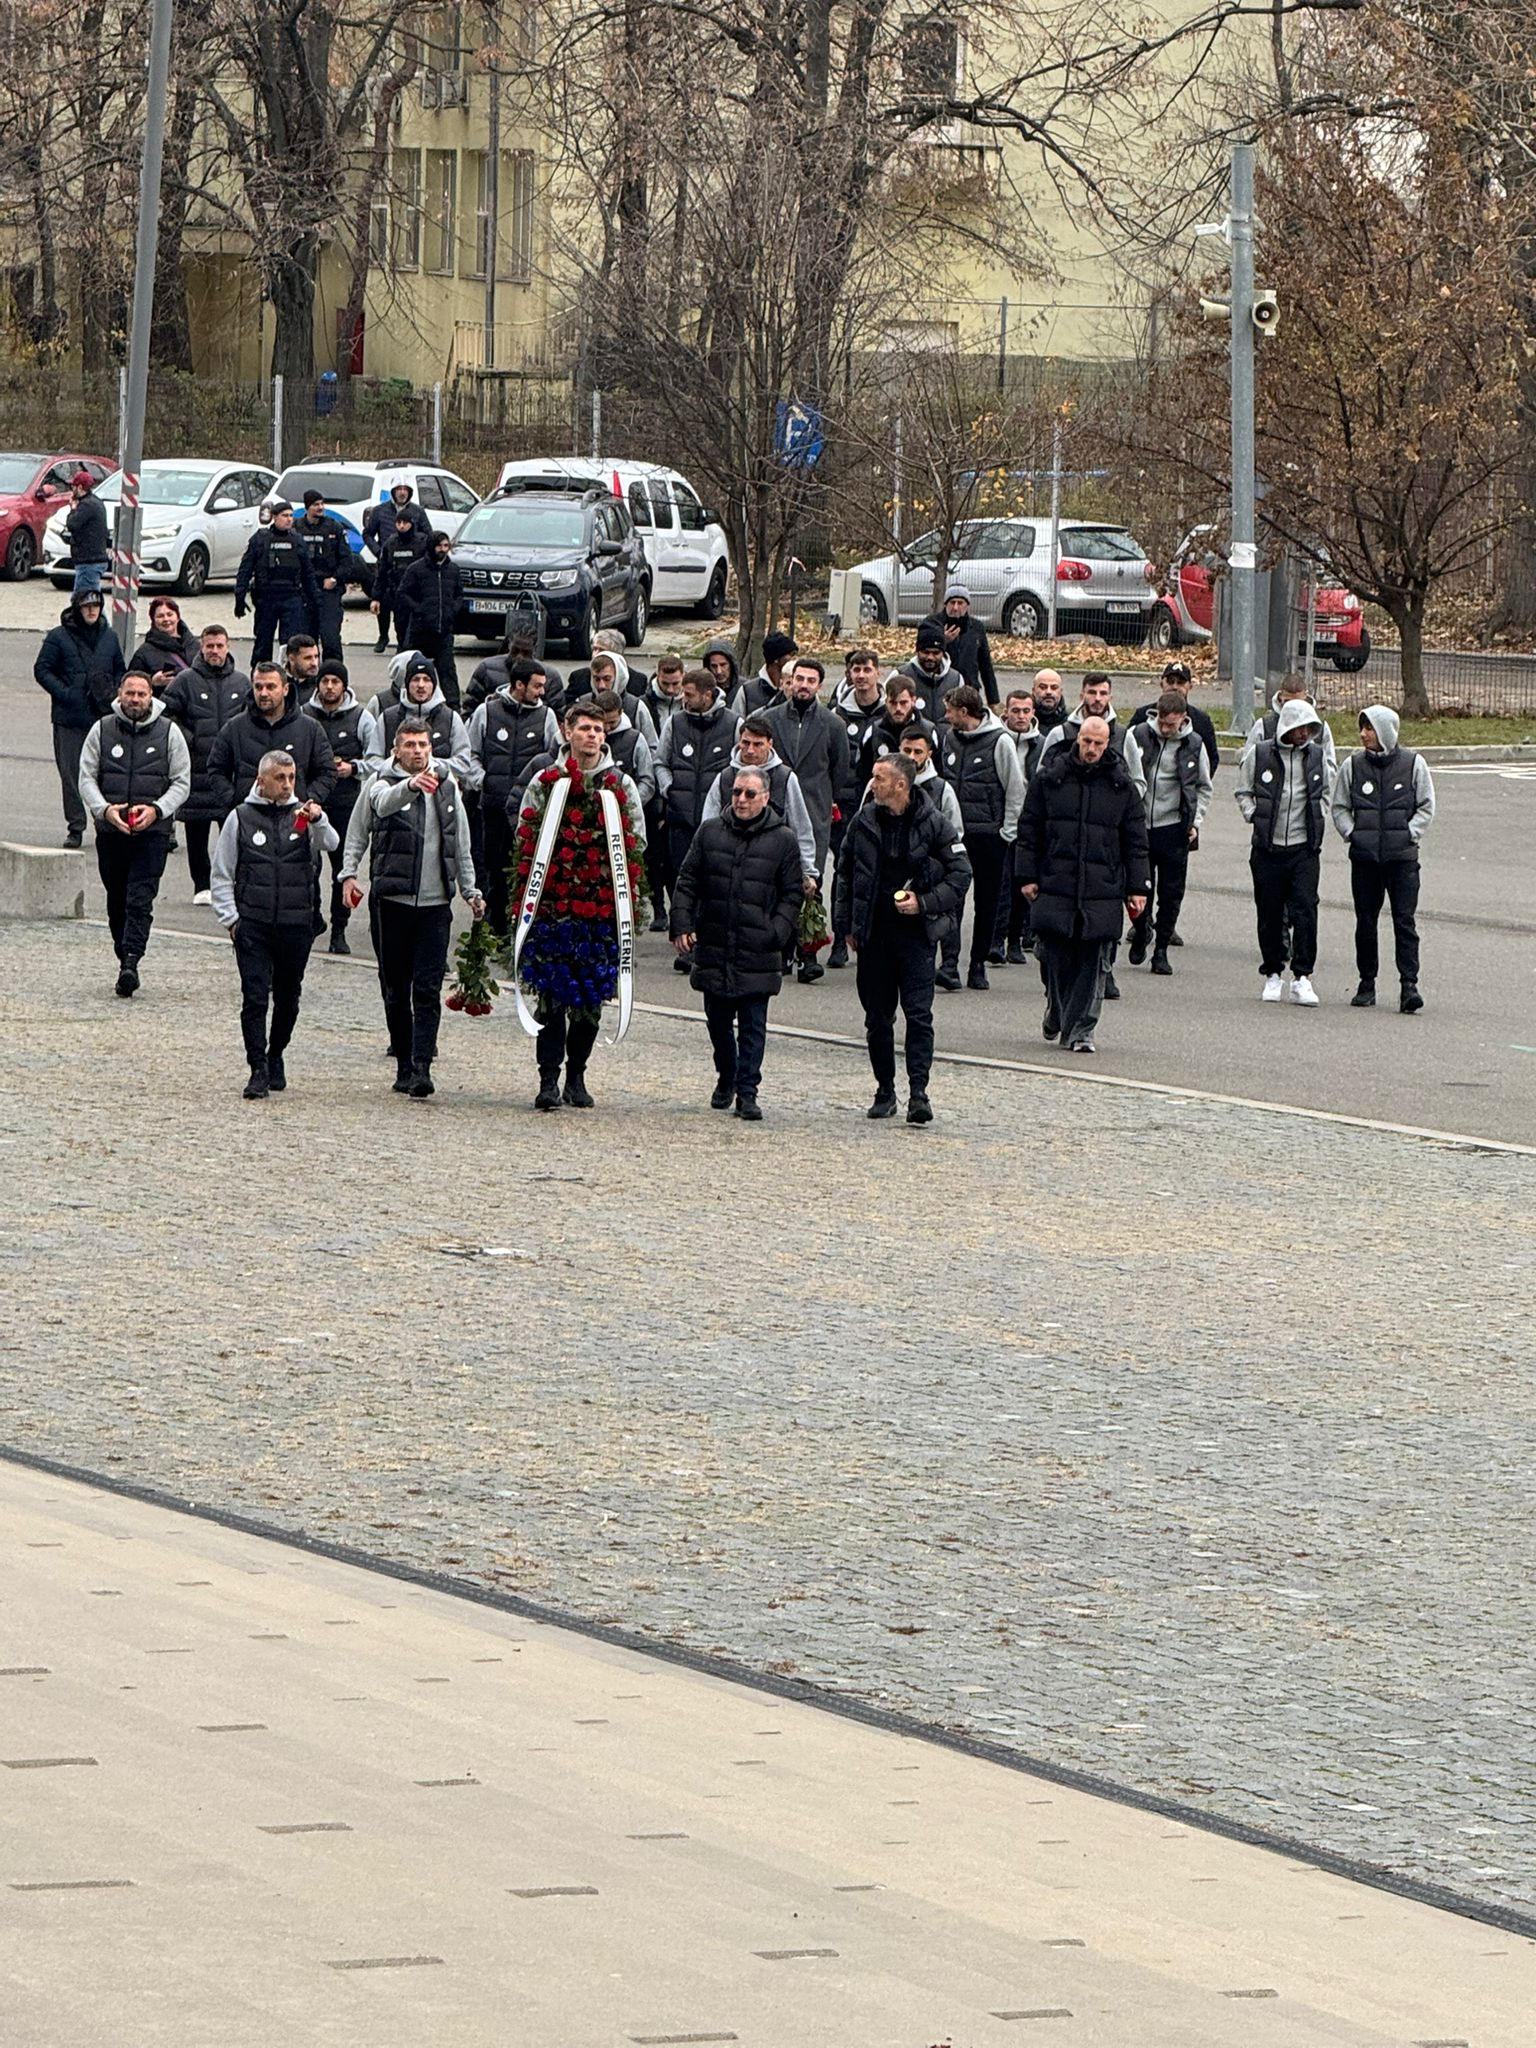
[1302, 991]
[202, 896]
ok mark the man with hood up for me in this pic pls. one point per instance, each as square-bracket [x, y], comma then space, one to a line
[929, 673]
[610, 671]
[379, 530]
[423, 699]
[1282, 788]
[1292, 691]
[695, 746]
[965, 641]
[765, 691]
[720, 661]
[135, 774]
[202, 700]
[430, 594]
[80, 665]
[978, 758]
[1178, 775]
[1383, 804]
[411, 824]
[263, 891]
[340, 717]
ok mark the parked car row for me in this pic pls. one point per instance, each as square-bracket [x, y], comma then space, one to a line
[32, 489]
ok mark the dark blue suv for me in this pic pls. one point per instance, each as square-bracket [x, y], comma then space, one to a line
[573, 552]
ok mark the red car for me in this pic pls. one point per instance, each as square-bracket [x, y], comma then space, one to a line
[32, 488]
[1184, 613]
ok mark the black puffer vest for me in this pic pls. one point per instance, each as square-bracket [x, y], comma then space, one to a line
[513, 737]
[698, 746]
[1186, 766]
[274, 866]
[1269, 783]
[398, 842]
[1382, 799]
[622, 747]
[439, 723]
[969, 765]
[135, 763]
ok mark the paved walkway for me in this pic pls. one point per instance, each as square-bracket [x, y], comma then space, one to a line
[260, 1798]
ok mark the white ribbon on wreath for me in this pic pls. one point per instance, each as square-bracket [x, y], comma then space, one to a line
[538, 874]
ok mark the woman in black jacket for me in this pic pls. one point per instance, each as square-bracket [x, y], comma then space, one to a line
[735, 904]
[167, 648]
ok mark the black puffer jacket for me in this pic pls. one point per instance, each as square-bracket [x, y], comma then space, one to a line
[1083, 841]
[202, 701]
[158, 650]
[433, 591]
[739, 891]
[934, 860]
[970, 654]
[80, 667]
[85, 528]
[249, 734]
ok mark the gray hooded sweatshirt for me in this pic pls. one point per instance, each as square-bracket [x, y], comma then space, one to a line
[1384, 722]
[376, 752]
[1291, 808]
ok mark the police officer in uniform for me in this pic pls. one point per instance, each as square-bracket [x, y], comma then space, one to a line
[275, 570]
[324, 540]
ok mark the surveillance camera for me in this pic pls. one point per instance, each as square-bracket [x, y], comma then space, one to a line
[1216, 309]
[1266, 313]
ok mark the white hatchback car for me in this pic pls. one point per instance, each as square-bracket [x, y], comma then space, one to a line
[352, 489]
[1104, 581]
[684, 544]
[197, 519]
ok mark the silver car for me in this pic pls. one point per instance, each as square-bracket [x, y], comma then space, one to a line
[1104, 581]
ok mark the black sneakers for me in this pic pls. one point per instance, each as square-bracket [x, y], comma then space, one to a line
[575, 1094]
[277, 1080]
[747, 1109]
[724, 1095]
[919, 1109]
[883, 1105]
[127, 979]
[1410, 1002]
[255, 1090]
[1364, 997]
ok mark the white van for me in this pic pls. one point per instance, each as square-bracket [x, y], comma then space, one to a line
[684, 543]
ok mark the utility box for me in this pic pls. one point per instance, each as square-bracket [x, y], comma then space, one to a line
[845, 591]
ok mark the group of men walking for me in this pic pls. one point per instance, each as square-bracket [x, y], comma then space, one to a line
[892, 797]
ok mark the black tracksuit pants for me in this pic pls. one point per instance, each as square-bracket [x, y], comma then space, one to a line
[568, 1036]
[1168, 857]
[271, 959]
[1285, 884]
[1073, 969]
[413, 958]
[1372, 883]
[130, 865]
[897, 969]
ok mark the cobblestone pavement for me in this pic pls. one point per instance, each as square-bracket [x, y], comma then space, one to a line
[1186, 1444]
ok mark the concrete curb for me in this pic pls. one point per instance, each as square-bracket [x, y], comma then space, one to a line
[41, 882]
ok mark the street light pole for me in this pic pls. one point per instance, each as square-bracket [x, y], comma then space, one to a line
[1243, 559]
[125, 559]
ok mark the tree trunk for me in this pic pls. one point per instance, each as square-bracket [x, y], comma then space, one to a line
[170, 334]
[1409, 620]
[46, 323]
[291, 287]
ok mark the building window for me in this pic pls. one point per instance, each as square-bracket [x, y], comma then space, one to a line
[515, 256]
[378, 230]
[931, 57]
[525, 29]
[442, 210]
[477, 177]
[407, 207]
